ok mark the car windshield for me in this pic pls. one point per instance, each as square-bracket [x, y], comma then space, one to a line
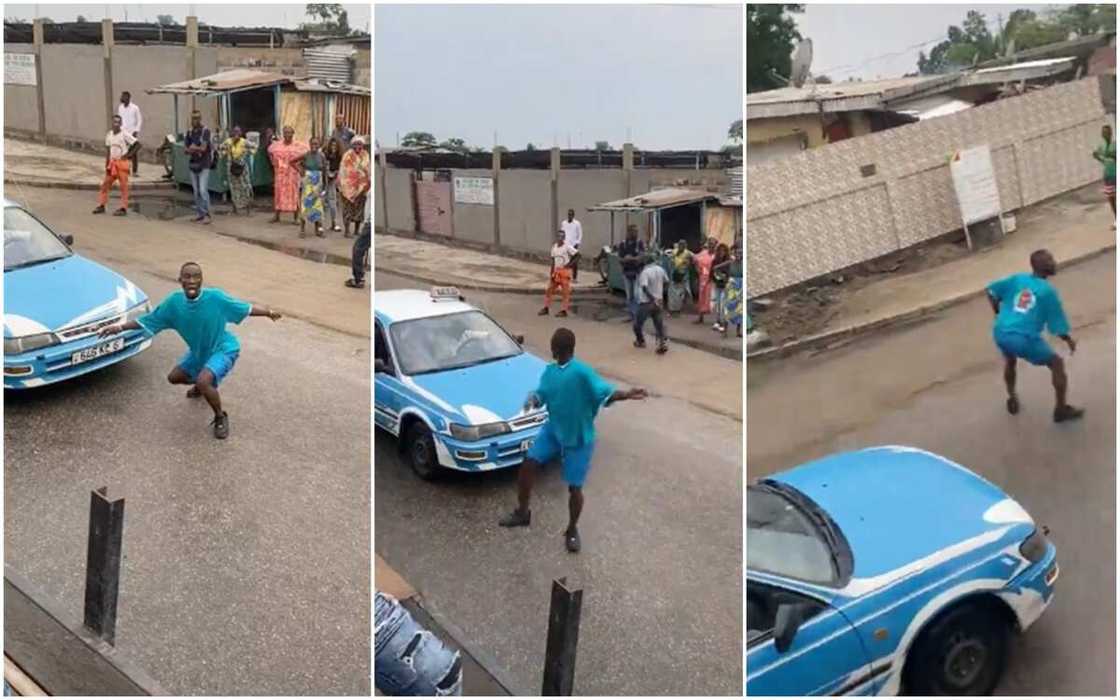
[783, 538]
[450, 342]
[27, 241]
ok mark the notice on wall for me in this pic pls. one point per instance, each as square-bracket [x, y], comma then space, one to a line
[19, 69]
[974, 180]
[474, 190]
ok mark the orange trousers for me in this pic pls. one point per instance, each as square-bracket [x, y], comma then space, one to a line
[118, 170]
[561, 281]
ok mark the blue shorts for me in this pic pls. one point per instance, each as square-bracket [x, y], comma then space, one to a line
[576, 460]
[1031, 348]
[219, 364]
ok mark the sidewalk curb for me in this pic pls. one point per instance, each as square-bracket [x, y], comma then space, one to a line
[83, 187]
[826, 338]
[471, 286]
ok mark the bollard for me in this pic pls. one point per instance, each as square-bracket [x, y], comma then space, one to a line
[103, 564]
[563, 636]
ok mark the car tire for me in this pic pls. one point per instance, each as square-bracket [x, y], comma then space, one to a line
[420, 450]
[964, 652]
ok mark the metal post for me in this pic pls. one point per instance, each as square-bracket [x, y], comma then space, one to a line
[563, 636]
[37, 37]
[103, 564]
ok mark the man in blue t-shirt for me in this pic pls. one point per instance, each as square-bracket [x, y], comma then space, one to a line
[573, 393]
[1024, 305]
[199, 316]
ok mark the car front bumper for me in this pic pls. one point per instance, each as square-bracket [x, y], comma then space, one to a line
[52, 364]
[1032, 591]
[497, 452]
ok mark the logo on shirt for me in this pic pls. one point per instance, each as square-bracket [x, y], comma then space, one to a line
[1025, 301]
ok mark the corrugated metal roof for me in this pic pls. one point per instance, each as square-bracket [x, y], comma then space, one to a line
[1029, 70]
[330, 63]
[657, 199]
[840, 97]
[236, 79]
[736, 175]
[320, 85]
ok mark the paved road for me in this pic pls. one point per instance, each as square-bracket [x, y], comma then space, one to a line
[661, 565]
[939, 386]
[246, 562]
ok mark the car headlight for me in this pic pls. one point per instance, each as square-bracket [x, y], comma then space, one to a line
[137, 311]
[470, 433]
[1034, 547]
[18, 346]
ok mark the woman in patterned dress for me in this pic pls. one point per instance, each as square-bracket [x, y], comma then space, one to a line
[353, 185]
[313, 167]
[285, 183]
[238, 152]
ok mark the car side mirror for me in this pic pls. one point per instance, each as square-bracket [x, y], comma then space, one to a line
[519, 339]
[68, 239]
[787, 621]
[379, 366]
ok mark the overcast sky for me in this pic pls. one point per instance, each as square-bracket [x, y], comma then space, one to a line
[223, 15]
[881, 41]
[545, 74]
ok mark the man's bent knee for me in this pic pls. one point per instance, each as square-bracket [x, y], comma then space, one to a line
[205, 380]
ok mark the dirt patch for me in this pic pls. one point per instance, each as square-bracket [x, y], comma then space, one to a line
[807, 309]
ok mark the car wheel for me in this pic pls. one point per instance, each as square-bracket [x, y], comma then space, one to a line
[421, 451]
[963, 652]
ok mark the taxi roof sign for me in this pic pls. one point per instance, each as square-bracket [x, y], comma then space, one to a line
[446, 294]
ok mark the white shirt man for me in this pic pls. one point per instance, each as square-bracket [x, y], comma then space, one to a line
[131, 119]
[562, 254]
[573, 231]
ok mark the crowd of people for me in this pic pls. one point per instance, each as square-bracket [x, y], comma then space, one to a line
[324, 183]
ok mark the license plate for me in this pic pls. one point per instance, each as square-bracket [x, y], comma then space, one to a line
[97, 351]
[525, 445]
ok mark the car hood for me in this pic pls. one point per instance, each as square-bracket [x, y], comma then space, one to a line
[486, 393]
[63, 293]
[901, 505]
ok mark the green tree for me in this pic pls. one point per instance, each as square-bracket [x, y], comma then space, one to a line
[735, 131]
[330, 17]
[166, 20]
[455, 144]
[602, 146]
[530, 147]
[418, 139]
[1084, 20]
[964, 45]
[771, 36]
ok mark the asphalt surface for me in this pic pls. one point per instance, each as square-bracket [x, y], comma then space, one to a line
[661, 566]
[246, 562]
[939, 386]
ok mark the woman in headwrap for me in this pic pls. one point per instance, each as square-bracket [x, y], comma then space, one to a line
[285, 181]
[353, 185]
[238, 152]
[312, 166]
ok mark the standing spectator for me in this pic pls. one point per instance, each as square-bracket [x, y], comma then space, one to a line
[651, 294]
[312, 165]
[131, 121]
[200, 154]
[359, 253]
[721, 269]
[733, 312]
[631, 253]
[560, 275]
[573, 236]
[353, 184]
[119, 146]
[1106, 154]
[342, 133]
[238, 152]
[333, 152]
[679, 289]
[285, 179]
[703, 263]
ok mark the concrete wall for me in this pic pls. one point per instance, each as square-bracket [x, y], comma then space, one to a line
[473, 222]
[580, 189]
[398, 184]
[815, 212]
[763, 130]
[21, 104]
[74, 91]
[524, 215]
[286, 61]
[138, 68]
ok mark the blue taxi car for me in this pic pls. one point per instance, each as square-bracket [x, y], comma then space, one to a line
[55, 302]
[885, 571]
[451, 383]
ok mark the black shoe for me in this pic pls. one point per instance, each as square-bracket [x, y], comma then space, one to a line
[543, 312]
[221, 426]
[562, 314]
[99, 210]
[121, 212]
[662, 348]
[1013, 404]
[517, 518]
[355, 284]
[1067, 412]
[639, 344]
[571, 540]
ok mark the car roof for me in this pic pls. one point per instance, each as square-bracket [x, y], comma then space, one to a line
[409, 304]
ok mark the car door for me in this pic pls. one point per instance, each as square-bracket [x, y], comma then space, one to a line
[386, 387]
[826, 656]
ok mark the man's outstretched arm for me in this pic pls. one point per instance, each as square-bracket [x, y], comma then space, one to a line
[118, 328]
[634, 394]
[264, 311]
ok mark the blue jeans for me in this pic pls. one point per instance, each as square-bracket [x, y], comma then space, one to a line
[410, 661]
[200, 183]
[632, 296]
